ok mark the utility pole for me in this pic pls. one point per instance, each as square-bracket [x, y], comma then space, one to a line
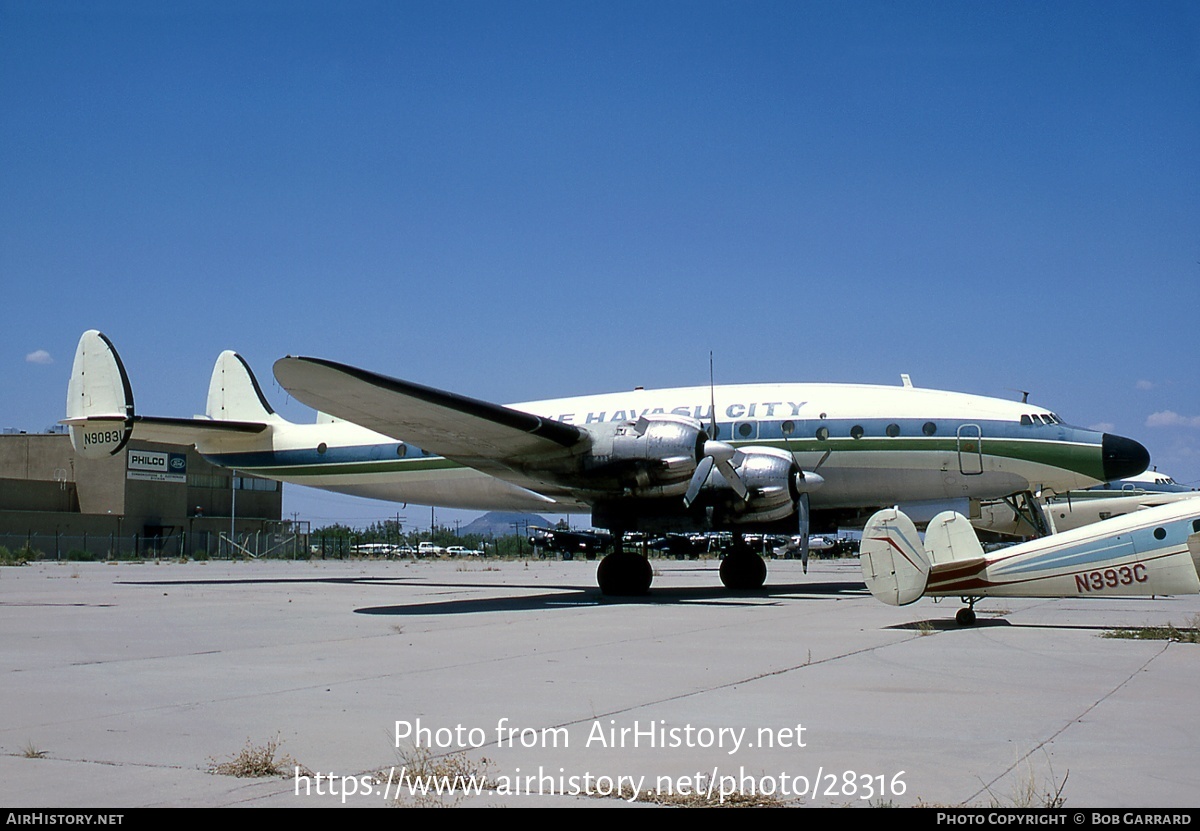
[232, 510]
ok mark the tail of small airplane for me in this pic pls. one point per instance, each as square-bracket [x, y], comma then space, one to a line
[894, 564]
[100, 412]
[950, 538]
[898, 568]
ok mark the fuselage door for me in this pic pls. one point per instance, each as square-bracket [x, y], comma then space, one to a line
[970, 450]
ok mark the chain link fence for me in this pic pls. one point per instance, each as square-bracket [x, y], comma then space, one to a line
[287, 543]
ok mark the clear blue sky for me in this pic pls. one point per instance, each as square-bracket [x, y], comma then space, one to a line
[525, 200]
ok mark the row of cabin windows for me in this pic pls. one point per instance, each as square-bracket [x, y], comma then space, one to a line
[746, 429]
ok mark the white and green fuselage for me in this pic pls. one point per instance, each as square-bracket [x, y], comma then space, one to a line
[846, 446]
[873, 445]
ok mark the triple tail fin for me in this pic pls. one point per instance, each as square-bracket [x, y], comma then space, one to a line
[100, 412]
[234, 393]
[99, 399]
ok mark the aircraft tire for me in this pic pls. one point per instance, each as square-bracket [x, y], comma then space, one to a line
[965, 617]
[743, 571]
[622, 574]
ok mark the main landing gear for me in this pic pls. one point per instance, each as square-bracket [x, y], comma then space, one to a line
[627, 573]
[624, 573]
[966, 617]
[742, 569]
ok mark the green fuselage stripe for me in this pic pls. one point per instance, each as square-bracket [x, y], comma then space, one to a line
[1084, 459]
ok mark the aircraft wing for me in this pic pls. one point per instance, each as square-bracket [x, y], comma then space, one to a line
[488, 437]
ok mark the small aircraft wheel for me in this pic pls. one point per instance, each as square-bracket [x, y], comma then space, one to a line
[965, 617]
[622, 574]
[743, 571]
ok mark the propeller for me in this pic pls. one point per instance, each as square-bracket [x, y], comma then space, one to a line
[726, 458]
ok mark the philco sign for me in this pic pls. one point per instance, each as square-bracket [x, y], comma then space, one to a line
[156, 467]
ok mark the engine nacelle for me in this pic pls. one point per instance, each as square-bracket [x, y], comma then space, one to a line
[652, 457]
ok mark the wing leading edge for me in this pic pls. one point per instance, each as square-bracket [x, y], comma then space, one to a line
[488, 437]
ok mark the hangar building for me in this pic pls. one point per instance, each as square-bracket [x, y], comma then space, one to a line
[148, 500]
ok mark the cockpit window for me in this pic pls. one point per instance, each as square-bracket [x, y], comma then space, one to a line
[1026, 420]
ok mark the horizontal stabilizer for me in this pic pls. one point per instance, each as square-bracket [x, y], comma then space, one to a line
[893, 564]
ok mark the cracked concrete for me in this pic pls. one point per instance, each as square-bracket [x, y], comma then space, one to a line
[133, 679]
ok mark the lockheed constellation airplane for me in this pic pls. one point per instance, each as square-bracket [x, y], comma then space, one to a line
[746, 458]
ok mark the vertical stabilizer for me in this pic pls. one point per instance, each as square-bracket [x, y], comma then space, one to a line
[99, 398]
[894, 565]
[234, 393]
[950, 537]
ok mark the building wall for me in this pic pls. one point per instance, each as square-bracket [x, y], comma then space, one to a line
[45, 487]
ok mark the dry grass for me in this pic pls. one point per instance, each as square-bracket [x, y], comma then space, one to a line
[1189, 633]
[258, 761]
[1033, 791]
[420, 765]
[32, 751]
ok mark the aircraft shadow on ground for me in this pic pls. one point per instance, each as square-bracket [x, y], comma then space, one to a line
[948, 624]
[575, 596]
[546, 597]
[551, 597]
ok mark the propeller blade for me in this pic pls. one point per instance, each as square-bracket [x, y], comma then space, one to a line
[803, 516]
[698, 480]
[735, 481]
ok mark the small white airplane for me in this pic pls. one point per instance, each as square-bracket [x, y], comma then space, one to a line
[1150, 552]
[748, 458]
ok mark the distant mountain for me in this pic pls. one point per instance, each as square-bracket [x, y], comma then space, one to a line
[501, 524]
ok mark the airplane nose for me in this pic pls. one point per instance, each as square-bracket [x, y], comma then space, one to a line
[1122, 457]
